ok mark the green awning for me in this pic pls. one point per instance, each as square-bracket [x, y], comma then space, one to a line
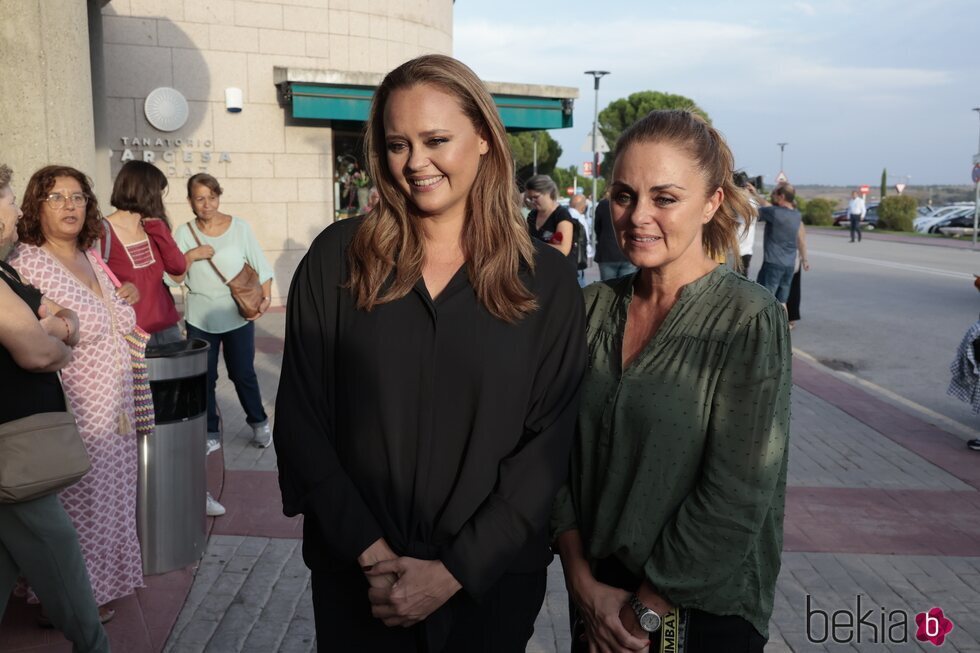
[326, 102]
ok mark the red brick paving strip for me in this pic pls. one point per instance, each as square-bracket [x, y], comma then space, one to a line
[943, 449]
[246, 515]
[893, 522]
[868, 520]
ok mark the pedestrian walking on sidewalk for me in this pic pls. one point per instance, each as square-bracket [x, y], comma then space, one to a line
[746, 228]
[856, 210]
[139, 249]
[579, 209]
[670, 524]
[551, 222]
[964, 383]
[781, 243]
[612, 262]
[429, 386]
[217, 246]
[61, 224]
[37, 538]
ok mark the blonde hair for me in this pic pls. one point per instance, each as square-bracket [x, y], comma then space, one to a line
[494, 237]
[714, 159]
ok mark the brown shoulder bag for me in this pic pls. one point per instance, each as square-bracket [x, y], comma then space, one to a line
[244, 286]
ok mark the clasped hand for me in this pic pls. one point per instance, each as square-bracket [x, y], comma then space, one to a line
[610, 625]
[420, 588]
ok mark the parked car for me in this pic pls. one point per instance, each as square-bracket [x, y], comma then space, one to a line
[926, 224]
[961, 218]
[841, 219]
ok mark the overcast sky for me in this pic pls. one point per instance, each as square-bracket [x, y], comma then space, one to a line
[852, 85]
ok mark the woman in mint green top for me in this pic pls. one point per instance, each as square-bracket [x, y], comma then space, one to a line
[211, 313]
[670, 525]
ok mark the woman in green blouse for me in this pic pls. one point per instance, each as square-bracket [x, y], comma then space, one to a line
[670, 526]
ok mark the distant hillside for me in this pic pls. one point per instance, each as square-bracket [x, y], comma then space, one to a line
[938, 195]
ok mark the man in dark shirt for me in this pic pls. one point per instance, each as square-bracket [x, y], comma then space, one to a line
[784, 229]
[612, 262]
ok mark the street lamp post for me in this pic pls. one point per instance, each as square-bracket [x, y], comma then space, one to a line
[977, 109]
[782, 147]
[535, 155]
[976, 195]
[597, 75]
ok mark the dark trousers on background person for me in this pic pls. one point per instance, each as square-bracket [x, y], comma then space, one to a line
[239, 351]
[502, 622]
[167, 336]
[746, 260]
[615, 270]
[703, 632]
[795, 295]
[855, 226]
[38, 541]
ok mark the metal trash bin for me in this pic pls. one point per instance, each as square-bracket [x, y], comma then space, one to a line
[170, 510]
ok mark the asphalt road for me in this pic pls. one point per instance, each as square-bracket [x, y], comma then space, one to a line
[889, 313]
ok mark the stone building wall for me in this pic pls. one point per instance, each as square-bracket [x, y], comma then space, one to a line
[277, 173]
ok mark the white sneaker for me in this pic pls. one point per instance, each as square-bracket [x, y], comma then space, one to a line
[213, 443]
[262, 435]
[214, 509]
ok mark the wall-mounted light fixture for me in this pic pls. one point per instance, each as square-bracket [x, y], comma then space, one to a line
[233, 99]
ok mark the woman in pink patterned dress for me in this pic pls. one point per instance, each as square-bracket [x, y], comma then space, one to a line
[61, 222]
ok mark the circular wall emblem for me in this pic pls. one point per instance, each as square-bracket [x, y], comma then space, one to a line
[166, 109]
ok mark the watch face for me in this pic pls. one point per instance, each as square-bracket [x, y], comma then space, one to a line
[650, 621]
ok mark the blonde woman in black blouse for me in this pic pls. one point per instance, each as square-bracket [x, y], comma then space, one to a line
[429, 386]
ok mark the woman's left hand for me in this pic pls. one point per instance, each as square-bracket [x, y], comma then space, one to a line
[649, 597]
[128, 293]
[263, 307]
[630, 623]
[423, 586]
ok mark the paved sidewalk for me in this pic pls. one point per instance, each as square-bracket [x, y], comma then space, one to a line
[931, 241]
[881, 504]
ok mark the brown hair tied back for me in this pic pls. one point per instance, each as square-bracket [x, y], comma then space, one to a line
[494, 236]
[38, 188]
[206, 180]
[715, 161]
[139, 189]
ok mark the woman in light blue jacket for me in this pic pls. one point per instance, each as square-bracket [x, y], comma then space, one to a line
[211, 313]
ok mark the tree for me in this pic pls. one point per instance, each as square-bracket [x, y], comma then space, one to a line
[818, 211]
[522, 148]
[897, 212]
[566, 177]
[884, 182]
[621, 113]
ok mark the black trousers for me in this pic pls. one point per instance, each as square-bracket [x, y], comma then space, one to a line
[746, 260]
[855, 227]
[795, 296]
[502, 622]
[702, 632]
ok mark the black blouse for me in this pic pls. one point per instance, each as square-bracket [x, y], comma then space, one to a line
[25, 393]
[550, 226]
[429, 423]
